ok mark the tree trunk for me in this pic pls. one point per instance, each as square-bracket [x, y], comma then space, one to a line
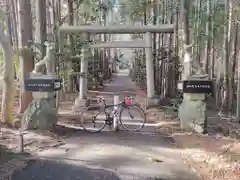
[41, 25]
[154, 47]
[227, 30]
[8, 79]
[8, 22]
[212, 44]
[71, 42]
[238, 71]
[105, 60]
[208, 39]
[13, 9]
[26, 64]
[233, 62]
[185, 5]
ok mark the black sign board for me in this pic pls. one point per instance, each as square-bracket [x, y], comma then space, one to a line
[198, 86]
[43, 85]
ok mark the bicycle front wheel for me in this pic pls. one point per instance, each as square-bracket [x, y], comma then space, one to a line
[93, 119]
[132, 118]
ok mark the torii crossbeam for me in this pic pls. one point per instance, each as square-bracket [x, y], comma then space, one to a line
[117, 29]
[121, 44]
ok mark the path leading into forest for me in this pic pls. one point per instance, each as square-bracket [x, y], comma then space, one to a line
[122, 86]
[108, 155]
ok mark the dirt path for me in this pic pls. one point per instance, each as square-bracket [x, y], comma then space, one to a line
[74, 154]
[110, 156]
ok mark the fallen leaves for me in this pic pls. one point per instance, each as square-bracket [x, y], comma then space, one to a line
[210, 157]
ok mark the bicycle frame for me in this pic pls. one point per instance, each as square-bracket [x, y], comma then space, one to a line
[115, 112]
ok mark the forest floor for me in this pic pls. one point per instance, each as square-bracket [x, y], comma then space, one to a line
[215, 156]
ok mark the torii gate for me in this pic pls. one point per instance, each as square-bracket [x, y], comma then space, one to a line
[121, 29]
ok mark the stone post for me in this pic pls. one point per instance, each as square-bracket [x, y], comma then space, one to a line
[83, 81]
[115, 119]
[41, 112]
[84, 72]
[192, 110]
[43, 95]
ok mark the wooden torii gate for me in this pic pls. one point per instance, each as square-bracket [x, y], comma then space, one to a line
[121, 29]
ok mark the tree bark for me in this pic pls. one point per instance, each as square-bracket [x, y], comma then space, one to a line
[8, 79]
[71, 43]
[208, 39]
[26, 64]
[227, 36]
[41, 25]
[8, 22]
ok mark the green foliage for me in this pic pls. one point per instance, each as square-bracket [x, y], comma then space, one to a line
[198, 19]
[89, 9]
[134, 8]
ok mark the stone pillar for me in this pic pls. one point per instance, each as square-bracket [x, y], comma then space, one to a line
[43, 95]
[88, 56]
[41, 112]
[192, 110]
[84, 71]
[149, 71]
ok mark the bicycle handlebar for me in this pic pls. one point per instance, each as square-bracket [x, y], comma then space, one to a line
[101, 99]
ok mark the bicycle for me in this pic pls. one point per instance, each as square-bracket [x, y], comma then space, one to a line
[116, 111]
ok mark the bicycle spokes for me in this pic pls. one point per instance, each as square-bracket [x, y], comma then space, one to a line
[94, 121]
[130, 114]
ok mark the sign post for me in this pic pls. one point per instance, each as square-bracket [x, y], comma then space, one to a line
[43, 85]
[115, 119]
[198, 86]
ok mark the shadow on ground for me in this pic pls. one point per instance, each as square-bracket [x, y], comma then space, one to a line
[131, 138]
[106, 155]
[56, 170]
[43, 169]
[129, 155]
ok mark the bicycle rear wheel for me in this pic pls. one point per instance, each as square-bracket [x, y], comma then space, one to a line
[93, 119]
[132, 118]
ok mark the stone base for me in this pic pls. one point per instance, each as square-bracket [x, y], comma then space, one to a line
[192, 112]
[41, 114]
[152, 102]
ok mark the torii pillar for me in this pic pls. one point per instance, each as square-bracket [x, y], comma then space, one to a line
[149, 70]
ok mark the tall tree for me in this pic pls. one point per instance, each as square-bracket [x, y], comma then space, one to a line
[8, 78]
[71, 43]
[226, 41]
[41, 25]
[26, 63]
